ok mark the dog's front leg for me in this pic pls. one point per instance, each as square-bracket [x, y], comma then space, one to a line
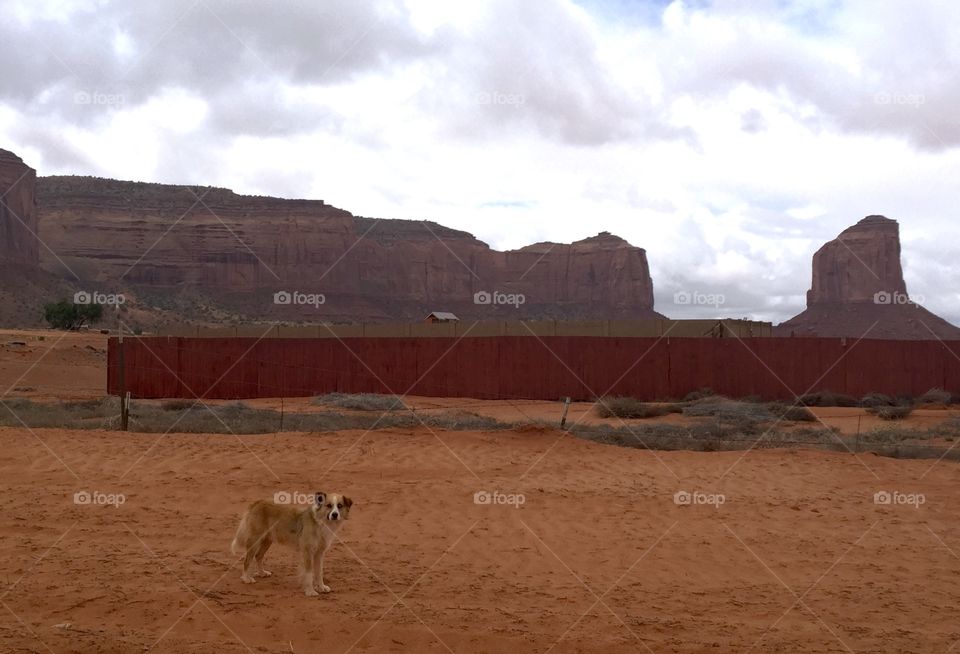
[318, 566]
[308, 589]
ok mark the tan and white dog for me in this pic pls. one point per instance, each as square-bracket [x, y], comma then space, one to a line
[310, 530]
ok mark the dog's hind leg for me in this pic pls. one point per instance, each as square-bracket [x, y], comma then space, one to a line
[249, 553]
[264, 546]
[318, 566]
[308, 588]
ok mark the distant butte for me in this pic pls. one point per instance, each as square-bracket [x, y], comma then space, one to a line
[233, 252]
[18, 212]
[858, 290]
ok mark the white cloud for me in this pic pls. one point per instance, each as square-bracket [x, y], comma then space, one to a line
[729, 139]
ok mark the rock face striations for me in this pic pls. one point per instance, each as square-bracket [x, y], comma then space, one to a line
[861, 262]
[858, 290]
[236, 252]
[18, 212]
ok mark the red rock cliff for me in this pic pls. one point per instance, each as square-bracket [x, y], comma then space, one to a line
[862, 261]
[858, 290]
[236, 251]
[18, 212]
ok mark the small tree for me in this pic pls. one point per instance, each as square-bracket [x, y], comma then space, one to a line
[67, 315]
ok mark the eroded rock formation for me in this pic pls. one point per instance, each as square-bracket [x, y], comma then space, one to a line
[18, 212]
[858, 290]
[237, 251]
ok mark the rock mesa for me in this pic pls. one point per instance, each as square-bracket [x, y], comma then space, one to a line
[18, 212]
[210, 247]
[858, 290]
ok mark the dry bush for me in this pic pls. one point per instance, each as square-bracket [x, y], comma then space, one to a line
[362, 401]
[76, 414]
[793, 413]
[948, 429]
[721, 407]
[235, 418]
[177, 405]
[17, 412]
[628, 407]
[898, 412]
[876, 399]
[828, 399]
[937, 396]
[699, 394]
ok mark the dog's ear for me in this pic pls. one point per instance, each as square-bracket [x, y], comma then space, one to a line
[320, 497]
[347, 502]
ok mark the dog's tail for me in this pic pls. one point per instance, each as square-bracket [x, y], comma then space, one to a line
[237, 546]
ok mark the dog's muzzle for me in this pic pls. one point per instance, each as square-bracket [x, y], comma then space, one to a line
[334, 515]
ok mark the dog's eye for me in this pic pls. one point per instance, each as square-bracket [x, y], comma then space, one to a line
[339, 506]
[329, 506]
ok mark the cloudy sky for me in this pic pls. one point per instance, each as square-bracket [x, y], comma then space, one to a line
[730, 138]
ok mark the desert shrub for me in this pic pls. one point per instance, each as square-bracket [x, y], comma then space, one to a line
[698, 394]
[876, 399]
[937, 396]
[70, 316]
[16, 412]
[898, 412]
[731, 409]
[828, 399]
[362, 401]
[948, 429]
[798, 414]
[628, 407]
[177, 405]
[463, 420]
[94, 408]
[733, 418]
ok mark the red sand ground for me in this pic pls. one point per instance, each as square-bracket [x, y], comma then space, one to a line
[798, 558]
[599, 557]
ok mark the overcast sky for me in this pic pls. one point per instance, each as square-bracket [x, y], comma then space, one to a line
[730, 138]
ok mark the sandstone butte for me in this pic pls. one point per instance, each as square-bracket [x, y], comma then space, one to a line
[236, 252]
[216, 256]
[18, 212]
[858, 290]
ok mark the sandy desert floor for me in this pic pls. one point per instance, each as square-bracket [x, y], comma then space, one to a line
[599, 556]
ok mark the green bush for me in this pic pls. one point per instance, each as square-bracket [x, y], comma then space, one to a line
[70, 316]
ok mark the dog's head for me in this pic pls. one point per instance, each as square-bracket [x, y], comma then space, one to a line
[332, 506]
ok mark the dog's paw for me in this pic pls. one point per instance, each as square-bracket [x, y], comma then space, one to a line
[311, 593]
[324, 588]
[248, 580]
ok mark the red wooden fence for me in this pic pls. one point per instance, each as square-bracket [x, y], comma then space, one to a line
[514, 367]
